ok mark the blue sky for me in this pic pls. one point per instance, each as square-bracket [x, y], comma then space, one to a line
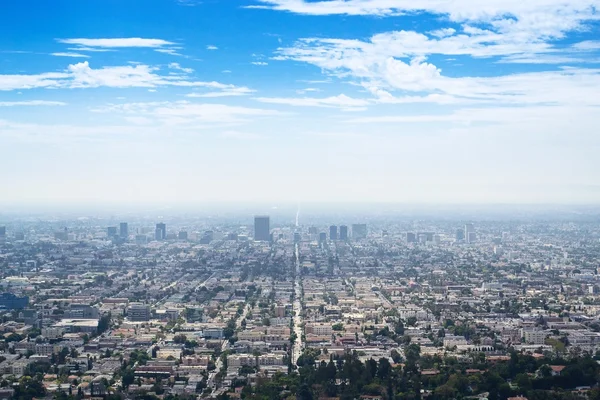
[184, 101]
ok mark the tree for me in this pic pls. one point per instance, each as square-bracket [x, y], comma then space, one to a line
[338, 327]
[399, 328]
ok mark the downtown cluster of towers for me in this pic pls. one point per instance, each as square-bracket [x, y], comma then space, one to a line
[262, 231]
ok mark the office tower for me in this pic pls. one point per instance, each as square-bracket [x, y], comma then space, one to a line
[123, 230]
[469, 229]
[411, 237]
[138, 312]
[313, 230]
[10, 302]
[359, 231]
[111, 232]
[333, 232]
[262, 228]
[437, 239]
[183, 235]
[2, 231]
[19, 236]
[161, 231]
[343, 232]
[422, 238]
[472, 237]
[460, 235]
[322, 237]
[297, 237]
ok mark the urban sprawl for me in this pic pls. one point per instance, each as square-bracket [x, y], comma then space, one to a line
[267, 308]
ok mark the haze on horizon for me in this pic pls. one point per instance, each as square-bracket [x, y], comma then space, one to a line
[336, 102]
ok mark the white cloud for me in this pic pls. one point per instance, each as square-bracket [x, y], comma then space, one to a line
[31, 103]
[183, 113]
[81, 75]
[587, 45]
[89, 49]
[117, 42]
[342, 101]
[307, 90]
[211, 47]
[396, 62]
[218, 89]
[67, 54]
[260, 63]
[178, 67]
[488, 28]
[172, 52]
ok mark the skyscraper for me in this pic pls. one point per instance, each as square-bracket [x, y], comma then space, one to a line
[111, 232]
[124, 230]
[359, 231]
[469, 233]
[262, 228]
[322, 237]
[343, 232]
[333, 232]
[161, 231]
[411, 237]
[2, 231]
[460, 235]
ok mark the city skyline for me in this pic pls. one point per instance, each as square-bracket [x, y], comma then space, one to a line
[336, 101]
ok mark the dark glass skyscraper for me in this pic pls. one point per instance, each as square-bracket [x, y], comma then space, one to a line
[262, 228]
[161, 231]
[343, 232]
[333, 232]
[124, 230]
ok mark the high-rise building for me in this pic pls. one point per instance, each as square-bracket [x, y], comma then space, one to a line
[161, 231]
[343, 232]
[2, 231]
[322, 237]
[333, 232]
[460, 235]
[297, 237]
[124, 230]
[111, 232]
[262, 228]
[411, 237]
[313, 230]
[359, 231]
[469, 233]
